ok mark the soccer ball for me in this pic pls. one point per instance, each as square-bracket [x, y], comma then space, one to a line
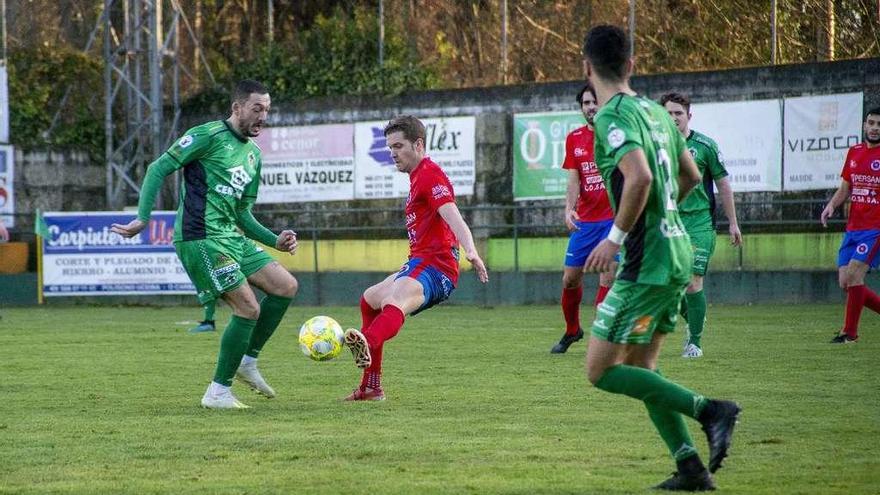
[320, 338]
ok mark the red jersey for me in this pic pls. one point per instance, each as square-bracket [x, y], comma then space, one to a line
[862, 170]
[592, 202]
[430, 237]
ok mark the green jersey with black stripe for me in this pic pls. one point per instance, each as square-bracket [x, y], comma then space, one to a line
[221, 176]
[711, 166]
[657, 250]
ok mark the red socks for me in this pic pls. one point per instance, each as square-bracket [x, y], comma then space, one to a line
[872, 300]
[571, 306]
[383, 328]
[367, 314]
[855, 301]
[601, 292]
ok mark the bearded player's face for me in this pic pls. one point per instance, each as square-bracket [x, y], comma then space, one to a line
[589, 106]
[679, 115]
[252, 114]
[872, 129]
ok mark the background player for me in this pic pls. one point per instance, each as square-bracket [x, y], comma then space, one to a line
[221, 177]
[698, 215]
[588, 217]
[861, 243]
[434, 228]
[207, 324]
[647, 168]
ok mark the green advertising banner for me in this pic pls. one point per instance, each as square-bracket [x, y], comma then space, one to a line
[538, 152]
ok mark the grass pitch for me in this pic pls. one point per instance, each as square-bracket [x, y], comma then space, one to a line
[105, 400]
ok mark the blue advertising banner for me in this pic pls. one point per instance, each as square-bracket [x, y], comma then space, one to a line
[82, 257]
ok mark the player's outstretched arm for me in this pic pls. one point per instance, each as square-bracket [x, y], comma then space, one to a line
[155, 176]
[637, 179]
[839, 197]
[727, 204]
[450, 214]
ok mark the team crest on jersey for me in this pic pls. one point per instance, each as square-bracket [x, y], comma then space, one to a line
[862, 248]
[579, 152]
[641, 324]
[852, 164]
[616, 136]
[252, 159]
[185, 141]
[875, 165]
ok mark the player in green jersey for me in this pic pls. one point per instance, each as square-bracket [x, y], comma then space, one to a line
[647, 170]
[221, 175]
[698, 214]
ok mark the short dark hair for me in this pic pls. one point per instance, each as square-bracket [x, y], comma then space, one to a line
[679, 98]
[873, 111]
[608, 50]
[246, 87]
[411, 127]
[587, 87]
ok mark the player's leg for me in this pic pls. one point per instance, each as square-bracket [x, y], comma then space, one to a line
[632, 314]
[572, 293]
[207, 324]
[858, 253]
[213, 267]
[280, 288]
[580, 243]
[703, 242]
[371, 307]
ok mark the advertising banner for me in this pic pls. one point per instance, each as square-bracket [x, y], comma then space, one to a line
[450, 142]
[310, 163]
[538, 153]
[818, 132]
[749, 137]
[7, 189]
[81, 257]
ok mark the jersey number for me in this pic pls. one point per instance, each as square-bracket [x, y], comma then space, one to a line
[668, 186]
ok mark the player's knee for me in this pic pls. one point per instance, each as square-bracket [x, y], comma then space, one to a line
[290, 288]
[571, 280]
[250, 312]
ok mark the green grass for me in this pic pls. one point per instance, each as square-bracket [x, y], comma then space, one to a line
[105, 400]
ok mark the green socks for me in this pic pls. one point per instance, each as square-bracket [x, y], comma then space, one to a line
[652, 389]
[696, 308]
[672, 429]
[272, 309]
[209, 310]
[233, 345]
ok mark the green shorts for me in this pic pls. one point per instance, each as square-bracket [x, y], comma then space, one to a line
[702, 233]
[631, 312]
[219, 265]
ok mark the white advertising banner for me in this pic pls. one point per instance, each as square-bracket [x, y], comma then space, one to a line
[7, 189]
[818, 132]
[749, 137]
[310, 163]
[450, 142]
[4, 106]
[81, 257]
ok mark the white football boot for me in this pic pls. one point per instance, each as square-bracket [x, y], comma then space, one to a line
[221, 400]
[692, 351]
[250, 376]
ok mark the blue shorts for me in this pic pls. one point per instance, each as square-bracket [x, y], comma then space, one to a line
[860, 245]
[581, 242]
[436, 286]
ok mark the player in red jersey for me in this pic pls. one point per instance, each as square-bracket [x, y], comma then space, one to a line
[860, 249]
[588, 216]
[435, 228]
